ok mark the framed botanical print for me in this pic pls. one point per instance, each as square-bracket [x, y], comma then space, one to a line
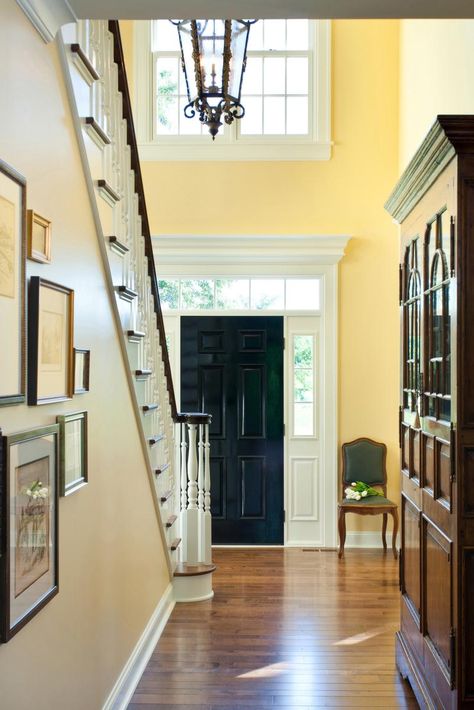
[50, 342]
[82, 364]
[29, 525]
[39, 238]
[72, 452]
[12, 285]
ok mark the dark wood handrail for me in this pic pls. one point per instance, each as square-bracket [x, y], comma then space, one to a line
[135, 160]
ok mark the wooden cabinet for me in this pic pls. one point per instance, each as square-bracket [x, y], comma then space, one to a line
[434, 203]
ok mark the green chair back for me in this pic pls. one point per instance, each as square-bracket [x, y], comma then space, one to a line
[364, 460]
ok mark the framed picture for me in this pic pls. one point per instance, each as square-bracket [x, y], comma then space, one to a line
[29, 526]
[12, 285]
[39, 238]
[72, 452]
[50, 339]
[82, 364]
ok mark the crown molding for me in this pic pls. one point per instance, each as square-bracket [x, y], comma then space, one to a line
[230, 249]
[449, 135]
[47, 16]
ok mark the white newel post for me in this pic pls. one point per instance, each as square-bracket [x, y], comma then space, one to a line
[184, 485]
[192, 513]
[207, 537]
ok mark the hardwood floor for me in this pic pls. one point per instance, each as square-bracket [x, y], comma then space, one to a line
[286, 629]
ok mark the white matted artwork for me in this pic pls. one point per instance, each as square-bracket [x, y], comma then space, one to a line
[50, 338]
[73, 452]
[12, 285]
[29, 566]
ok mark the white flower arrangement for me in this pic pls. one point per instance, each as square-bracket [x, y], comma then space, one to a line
[36, 491]
[359, 490]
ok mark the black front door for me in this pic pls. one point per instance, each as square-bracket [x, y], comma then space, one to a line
[232, 368]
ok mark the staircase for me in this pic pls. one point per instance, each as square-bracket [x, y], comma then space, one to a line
[176, 445]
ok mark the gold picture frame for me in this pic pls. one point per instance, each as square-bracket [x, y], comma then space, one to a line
[39, 238]
[50, 342]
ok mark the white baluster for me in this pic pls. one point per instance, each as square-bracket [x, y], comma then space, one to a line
[184, 484]
[201, 491]
[192, 512]
[207, 544]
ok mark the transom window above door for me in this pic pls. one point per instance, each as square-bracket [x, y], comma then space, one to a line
[254, 294]
[285, 93]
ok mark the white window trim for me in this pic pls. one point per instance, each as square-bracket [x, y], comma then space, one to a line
[184, 148]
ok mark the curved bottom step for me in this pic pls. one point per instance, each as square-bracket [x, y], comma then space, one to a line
[193, 583]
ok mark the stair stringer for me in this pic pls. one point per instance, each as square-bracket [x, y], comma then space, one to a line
[110, 180]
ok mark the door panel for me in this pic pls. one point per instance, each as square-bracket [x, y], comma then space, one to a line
[411, 557]
[438, 594]
[232, 368]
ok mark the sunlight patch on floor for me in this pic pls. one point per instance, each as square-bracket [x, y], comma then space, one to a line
[274, 669]
[365, 636]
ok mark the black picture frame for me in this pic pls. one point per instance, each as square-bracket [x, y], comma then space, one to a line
[22, 595]
[37, 288]
[16, 252]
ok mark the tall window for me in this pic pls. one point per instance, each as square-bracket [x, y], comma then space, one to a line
[285, 93]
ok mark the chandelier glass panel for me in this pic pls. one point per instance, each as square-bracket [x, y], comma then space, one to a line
[214, 54]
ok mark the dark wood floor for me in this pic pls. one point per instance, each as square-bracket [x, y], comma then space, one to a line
[286, 629]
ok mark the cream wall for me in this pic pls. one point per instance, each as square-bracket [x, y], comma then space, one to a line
[112, 569]
[436, 76]
[342, 196]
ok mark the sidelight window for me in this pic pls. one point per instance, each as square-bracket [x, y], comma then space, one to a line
[303, 385]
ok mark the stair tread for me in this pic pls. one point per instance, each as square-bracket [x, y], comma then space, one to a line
[165, 496]
[149, 407]
[152, 440]
[175, 544]
[185, 570]
[135, 334]
[162, 469]
[143, 373]
[172, 519]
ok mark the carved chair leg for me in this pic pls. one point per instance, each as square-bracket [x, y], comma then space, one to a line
[394, 513]
[342, 531]
[384, 531]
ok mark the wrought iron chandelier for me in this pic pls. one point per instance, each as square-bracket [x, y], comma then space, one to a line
[214, 54]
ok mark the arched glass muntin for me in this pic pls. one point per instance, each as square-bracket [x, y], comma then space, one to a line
[412, 325]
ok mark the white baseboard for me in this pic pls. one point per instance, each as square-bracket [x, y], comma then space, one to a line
[367, 539]
[128, 679]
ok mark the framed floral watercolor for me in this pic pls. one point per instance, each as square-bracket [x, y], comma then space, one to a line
[50, 342]
[72, 452]
[29, 525]
[82, 364]
[39, 238]
[12, 285]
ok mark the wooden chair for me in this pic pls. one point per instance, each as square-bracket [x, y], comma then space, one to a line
[365, 460]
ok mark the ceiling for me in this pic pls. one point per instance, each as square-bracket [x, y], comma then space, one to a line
[143, 9]
[48, 16]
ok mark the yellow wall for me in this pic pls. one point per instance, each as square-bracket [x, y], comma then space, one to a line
[342, 196]
[112, 569]
[436, 76]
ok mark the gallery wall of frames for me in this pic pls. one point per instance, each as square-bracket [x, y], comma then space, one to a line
[39, 364]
